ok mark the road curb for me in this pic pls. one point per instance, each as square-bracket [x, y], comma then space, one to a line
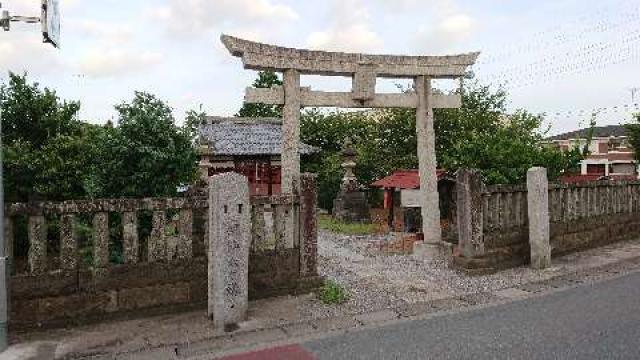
[281, 334]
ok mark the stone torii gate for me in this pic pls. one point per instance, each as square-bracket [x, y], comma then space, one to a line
[363, 69]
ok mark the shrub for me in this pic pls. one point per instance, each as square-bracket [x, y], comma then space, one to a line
[333, 293]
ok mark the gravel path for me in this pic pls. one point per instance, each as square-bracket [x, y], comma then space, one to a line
[376, 281]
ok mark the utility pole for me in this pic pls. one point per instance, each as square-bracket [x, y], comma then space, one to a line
[50, 20]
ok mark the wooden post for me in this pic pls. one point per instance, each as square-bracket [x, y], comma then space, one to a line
[270, 192]
[392, 193]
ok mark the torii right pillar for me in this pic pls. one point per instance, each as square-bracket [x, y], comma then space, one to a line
[427, 162]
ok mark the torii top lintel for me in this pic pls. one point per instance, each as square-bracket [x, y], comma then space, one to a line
[258, 56]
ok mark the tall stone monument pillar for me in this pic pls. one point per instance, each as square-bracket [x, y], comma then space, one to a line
[228, 252]
[538, 213]
[469, 188]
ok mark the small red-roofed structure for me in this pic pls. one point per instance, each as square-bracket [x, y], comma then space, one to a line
[406, 183]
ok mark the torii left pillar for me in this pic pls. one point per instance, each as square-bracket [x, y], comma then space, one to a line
[291, 132]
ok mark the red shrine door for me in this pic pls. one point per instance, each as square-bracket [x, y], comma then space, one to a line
[264, 179]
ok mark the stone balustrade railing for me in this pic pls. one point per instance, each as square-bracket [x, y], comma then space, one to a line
[269, 214]
[161, 245]
[61, 277]
[493, 221]
[504, 207]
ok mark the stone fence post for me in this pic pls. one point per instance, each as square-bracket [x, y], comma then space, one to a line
[469, 189]
[228, 252]
[538, 212]
[37, 229]
[309, 228]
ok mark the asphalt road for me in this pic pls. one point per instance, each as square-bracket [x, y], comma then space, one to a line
[600, 321]
[590, 322]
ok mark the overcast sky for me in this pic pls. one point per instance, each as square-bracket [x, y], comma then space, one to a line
[561, 57]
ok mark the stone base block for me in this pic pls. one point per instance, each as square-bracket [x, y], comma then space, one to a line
[494, 260]
[432, 251]
[352, 207]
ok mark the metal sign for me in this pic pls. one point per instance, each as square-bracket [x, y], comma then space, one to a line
[51, 22]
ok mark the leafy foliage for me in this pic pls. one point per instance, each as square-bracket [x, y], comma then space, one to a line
[192, 121]
[50, 154]
[481, 135]
[44, 145]
[478, 135]
[633, 132]
[147, 154]
[266, 79]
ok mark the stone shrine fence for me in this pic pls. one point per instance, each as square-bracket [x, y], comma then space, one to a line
[61, 281]
[495, 231]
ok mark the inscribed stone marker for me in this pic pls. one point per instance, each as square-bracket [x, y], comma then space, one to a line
[538, 204]
[470, 212]
[229, 242]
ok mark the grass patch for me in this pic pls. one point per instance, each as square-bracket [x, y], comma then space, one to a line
[326, 222]
[333, 294]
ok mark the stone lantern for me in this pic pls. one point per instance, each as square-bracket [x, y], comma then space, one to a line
[349, 181]
[351, 204]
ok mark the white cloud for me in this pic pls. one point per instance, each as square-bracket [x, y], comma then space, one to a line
[349, 31]
[115, 49]
[448, 26]
[355, 37]
[448, 32]
[421, 6]
[24, 51]
[196, 16]
[22, 7]
[116, 62]
[102, 31]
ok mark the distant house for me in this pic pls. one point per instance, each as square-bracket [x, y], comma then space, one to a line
[249, 146]
[611, 154]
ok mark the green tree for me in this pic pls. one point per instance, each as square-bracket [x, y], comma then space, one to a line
[29, 113]
[633, 133]
[45, 146]
[192, 121]
[146, 154]
[266, 79]
[480, 135]
[328, 132]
